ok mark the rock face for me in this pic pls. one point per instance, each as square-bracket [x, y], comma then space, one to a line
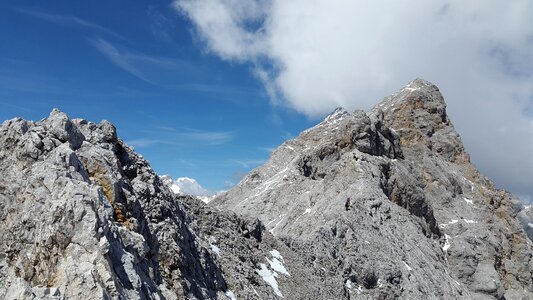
[386, 204]
[377, 205]
[82, 216]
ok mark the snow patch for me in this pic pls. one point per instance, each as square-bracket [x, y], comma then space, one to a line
[269, 184]
[275, 226]
[530, 225]
[307, 211]
[470, 221]
[468, 200]
[215, 249]
[277, 263]
[411, 89]
[349, 284]
[407, 266]
[446, 243]
[231, 295]
[275, 253]
[270, 278]
[449, 223]
[289, 147]
[359, 290]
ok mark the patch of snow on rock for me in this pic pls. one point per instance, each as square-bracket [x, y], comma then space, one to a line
[270, 278]
[275, 253]
[446, 243]
[449, 223]
[349, 284]
[277, 263]
[231, 295]
[215, 249]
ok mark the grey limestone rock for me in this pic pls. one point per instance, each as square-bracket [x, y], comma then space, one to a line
[387, 205]
[82, 216]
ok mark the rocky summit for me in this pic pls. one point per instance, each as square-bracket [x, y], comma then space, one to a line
[383, 204]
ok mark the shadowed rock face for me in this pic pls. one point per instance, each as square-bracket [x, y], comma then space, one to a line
[387, 204]
[372, 205]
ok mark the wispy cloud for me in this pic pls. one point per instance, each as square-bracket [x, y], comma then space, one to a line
[145, 142]
[164, 135]
[160, 71]
[245, 163]
[249, 163]
[67, 20]
[217, 89]
[123, 60]
[207, 137]
[266, 149]
[19, 107]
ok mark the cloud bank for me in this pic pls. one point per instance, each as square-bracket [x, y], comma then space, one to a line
[316, 55]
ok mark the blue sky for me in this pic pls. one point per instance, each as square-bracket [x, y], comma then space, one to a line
[189, 113]
[205, 88]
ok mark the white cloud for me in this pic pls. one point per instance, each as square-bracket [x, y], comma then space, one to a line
[316, 55]
[189, 186]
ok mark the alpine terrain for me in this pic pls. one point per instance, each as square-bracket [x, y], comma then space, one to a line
[382, 204]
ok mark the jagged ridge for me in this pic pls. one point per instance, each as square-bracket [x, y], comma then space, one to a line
[82, 216]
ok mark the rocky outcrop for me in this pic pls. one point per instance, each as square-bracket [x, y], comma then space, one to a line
[387, 205]
[82, 216]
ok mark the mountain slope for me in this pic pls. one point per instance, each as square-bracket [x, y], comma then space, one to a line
[82, 216]
[387, 204]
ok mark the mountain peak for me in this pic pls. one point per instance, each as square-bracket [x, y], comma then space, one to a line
[395, 178]
[338, 113]
[417, 113]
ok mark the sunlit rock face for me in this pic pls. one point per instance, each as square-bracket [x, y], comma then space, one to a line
[82, 216]
[386, 204]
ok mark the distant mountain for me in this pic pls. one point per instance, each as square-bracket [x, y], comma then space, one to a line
[382, 204]
[189, 186]
[386, 204]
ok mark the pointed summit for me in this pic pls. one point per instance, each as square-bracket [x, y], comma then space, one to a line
[417, 113]
[337, 114]
[387, 201]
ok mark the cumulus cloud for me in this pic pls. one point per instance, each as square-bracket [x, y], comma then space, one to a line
[189, 186]
[316, 55]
